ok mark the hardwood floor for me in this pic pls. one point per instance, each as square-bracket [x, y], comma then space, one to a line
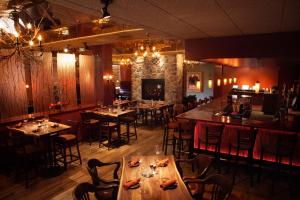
[61, 187]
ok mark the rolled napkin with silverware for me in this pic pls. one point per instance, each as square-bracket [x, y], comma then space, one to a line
[19, 125]
[132, 183]
[167, 184]
[133, 163]
[162, 163]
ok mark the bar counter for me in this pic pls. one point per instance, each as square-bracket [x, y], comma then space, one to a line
[267, 129]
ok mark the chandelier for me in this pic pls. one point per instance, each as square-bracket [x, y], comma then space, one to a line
[147, 50]
[18, 37]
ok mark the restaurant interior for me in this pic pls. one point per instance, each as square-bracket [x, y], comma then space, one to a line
[127, 99]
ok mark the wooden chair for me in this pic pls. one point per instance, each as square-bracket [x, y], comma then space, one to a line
[93, 165]
[201, 162]
[90, 124]
[212, 138]
[214, 187]
[27, 155]
[67, 140]
[129, 120]
[244, 142]
[82, 190]
[178, 109]
[185, 134]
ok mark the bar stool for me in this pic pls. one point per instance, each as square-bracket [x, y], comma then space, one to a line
[169, 124]
[107, 127]
[283, 147]
[89, 123]
[27, 154]
[186, 131]
[66, 141]
[129, 120]
[245, 139]
[212, 138]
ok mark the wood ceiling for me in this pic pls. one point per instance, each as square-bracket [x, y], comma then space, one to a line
[184, 19]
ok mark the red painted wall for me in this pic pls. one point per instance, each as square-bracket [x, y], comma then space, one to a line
[266, 75]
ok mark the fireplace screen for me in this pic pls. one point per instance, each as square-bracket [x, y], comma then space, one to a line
[153, 89]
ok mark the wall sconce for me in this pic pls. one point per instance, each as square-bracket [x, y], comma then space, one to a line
[234, 80]
[219, 82]
[230, 80]
[225, 81]
[26, 86]
[107, 77]
[210, 83]
[198, 85]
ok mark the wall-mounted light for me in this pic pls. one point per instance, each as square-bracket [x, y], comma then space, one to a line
[210, 83]
[26, 86]
[66, 50]
[225, 81]
[234, 80]
[230, 80]
[219, 82]
[108, 77]
[198, 85]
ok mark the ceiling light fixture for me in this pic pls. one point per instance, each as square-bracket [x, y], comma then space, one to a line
[105, 13]
[147, 49]
[16, 37]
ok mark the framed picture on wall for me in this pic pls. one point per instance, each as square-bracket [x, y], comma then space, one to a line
[194, 81]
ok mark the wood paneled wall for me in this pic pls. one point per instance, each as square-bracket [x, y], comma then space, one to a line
[13, 98]
[87, 79]
[66, 76]
[42, 82]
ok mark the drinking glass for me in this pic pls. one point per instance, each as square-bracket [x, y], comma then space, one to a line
[157, 149]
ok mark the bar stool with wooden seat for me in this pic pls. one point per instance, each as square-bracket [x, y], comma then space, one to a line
[283, 148]
[107, 127]
[212, 138]
[67, 140]
[90, 124]
[244, 142]
[185, 134]
[129, 120]
[27, 154]
[169, 124]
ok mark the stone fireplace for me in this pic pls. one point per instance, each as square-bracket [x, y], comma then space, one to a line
[153, 89]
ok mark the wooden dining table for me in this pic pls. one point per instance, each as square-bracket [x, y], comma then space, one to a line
[152, 108]
[44, 131]
[40, 129]
[150, 187]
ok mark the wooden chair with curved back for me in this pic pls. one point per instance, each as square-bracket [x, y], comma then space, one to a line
[93, 165]
[201, 163]
[82, 190]
[214, 187]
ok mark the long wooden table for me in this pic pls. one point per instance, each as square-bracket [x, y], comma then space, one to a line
[151, 186]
